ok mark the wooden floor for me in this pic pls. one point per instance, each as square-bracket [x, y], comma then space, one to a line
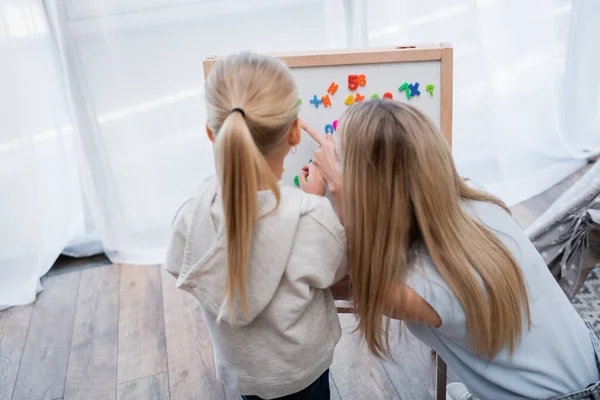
[125, 332]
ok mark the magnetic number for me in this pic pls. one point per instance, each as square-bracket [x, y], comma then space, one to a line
[354, 81]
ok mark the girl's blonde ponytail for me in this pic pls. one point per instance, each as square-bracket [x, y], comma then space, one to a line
[252, 104]
[240, 164]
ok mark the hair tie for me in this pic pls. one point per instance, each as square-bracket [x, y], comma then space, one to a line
[238, 110]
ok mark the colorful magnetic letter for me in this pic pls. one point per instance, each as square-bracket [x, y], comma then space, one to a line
[429, 88]
[299, 101]
[315, 100]
[349, 100]
[375, 96]
[326, 101]
[352, 82]
[359, 97]
[414, 89]
[296, 180]
[335, 125]
[329, 129]
[388, 95]
[362, 80]
[332, 88]
[406, 89]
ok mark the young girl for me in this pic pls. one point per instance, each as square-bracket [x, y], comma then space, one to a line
[426, 247]
[260, 257]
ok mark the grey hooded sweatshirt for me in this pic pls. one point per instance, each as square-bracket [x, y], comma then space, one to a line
[286, 340]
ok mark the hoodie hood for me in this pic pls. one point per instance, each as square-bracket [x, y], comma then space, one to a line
[204, 266]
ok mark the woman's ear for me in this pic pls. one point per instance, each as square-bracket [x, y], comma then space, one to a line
[210, 134]
[295, 133]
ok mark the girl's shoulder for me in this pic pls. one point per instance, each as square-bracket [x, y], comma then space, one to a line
[307, 202]
[316, 205]
[319, 243]
[316, 208]
[186, 209]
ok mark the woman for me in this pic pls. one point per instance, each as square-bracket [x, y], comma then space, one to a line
[447, 258]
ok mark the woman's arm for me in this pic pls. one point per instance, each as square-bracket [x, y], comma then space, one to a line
[408, 305]
[336, 199]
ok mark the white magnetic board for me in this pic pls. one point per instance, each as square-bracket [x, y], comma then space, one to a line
[380, 79]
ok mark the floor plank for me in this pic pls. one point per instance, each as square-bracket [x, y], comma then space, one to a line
[356, 373]
[412, 370]
[155, 387]
[44, 364]
[189, 348]
[14, 324]
[142, 349]
[92, 370]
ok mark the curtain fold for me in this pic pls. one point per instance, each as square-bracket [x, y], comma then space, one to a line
[39, 206]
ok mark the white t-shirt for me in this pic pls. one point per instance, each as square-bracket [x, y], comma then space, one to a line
[554, 358]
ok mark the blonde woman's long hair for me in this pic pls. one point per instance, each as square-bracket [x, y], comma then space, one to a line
[265, 90]
[401, 195]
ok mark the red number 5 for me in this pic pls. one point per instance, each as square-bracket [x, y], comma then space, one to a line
[353, 82]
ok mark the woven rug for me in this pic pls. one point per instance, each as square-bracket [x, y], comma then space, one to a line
[587, 301]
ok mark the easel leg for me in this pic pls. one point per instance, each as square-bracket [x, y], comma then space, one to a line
[440, 378]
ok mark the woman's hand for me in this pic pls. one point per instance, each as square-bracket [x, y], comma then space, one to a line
[325, 158]
[311, 180]
[326, 161]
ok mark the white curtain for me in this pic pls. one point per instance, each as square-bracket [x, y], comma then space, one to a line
[104, 130]
[134, 71]
[526, 83]
[40, 199]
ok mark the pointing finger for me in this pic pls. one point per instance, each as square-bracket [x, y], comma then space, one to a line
[318, 137]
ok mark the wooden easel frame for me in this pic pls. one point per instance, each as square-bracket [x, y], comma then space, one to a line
[379, 55]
